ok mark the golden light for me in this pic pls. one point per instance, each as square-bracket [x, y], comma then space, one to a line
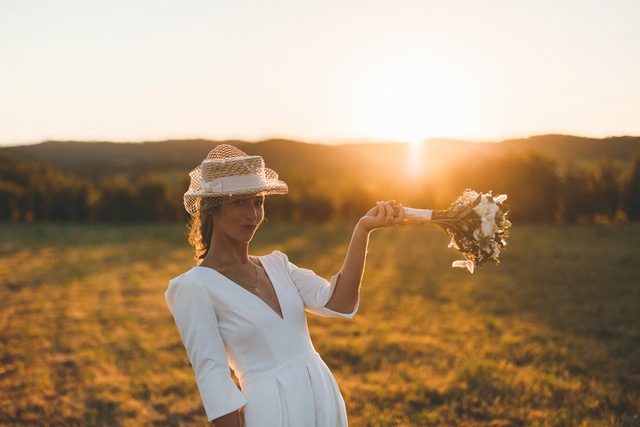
[417, 165]
[412, 99]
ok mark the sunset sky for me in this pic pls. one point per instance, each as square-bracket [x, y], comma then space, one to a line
[317, 71]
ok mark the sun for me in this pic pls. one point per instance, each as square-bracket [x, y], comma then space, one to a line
[411, 100]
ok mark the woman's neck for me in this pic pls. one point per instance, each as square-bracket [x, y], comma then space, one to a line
[224, 253]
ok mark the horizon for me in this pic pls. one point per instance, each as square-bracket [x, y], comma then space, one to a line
[328, 73]
[326, 143]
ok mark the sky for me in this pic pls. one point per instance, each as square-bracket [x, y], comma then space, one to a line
[325, 71]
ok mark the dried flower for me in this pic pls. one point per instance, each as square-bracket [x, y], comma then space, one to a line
[477, 224]
[469, 265]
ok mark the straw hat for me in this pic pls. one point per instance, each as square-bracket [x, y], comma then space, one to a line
[229, 174]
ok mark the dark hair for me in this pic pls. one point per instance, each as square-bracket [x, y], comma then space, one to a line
[201, 230]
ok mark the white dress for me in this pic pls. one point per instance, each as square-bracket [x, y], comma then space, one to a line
[283, 381]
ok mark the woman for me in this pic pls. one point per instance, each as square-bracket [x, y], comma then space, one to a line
[247, 313]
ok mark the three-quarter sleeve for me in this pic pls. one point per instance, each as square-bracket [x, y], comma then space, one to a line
[196, 320]
[314, 290]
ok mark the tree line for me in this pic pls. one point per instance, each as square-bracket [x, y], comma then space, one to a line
[540, 188]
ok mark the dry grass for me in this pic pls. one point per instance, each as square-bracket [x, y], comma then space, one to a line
[550, 337]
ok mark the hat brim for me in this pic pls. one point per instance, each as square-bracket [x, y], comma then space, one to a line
[191, 204]
[277, 188]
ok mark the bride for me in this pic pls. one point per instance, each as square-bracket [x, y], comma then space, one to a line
[247, 313]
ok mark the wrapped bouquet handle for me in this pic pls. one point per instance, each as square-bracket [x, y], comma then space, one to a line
[477, 223]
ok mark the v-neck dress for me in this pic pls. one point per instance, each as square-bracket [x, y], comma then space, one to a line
[283, 380]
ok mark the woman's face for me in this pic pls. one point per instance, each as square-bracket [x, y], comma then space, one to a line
[240, 218]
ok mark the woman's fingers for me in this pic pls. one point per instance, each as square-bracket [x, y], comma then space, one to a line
[380, 213]
[384, 214]
[400, 216]
[389, 209]
[385, 211]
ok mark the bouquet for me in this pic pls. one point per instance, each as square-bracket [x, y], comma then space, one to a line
[477, 224]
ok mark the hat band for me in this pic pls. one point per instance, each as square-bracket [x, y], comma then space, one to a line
[233, 184]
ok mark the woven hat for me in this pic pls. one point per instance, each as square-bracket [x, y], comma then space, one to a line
[229, 174]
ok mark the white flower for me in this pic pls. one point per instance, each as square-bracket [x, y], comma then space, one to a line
[482, 209]
[453, 244]
[487, 227]
[471, 195]
[493, 210]
[486, 209]
[501, 198]
[468, 264]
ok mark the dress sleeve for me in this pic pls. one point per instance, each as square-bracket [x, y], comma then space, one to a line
[196, 320]
[314, 290]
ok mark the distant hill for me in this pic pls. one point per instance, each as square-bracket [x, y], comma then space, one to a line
[97, 159]
[579, 149]
[570, 178]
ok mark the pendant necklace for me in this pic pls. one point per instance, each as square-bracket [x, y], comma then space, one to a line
[255, 288]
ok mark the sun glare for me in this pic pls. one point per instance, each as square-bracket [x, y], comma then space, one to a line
[412, 100]
[416, 166]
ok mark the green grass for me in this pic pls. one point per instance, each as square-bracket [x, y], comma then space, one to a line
[549, 337]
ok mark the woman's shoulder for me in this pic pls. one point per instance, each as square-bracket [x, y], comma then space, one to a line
[201, 282]
[188, 285]
[276, 254]
[190, 278]
[276, 257]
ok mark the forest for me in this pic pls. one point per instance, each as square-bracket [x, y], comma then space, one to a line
[549, 179]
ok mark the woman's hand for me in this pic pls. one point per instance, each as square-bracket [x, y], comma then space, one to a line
[384, 214]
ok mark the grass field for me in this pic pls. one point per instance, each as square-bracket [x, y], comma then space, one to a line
[549, 337]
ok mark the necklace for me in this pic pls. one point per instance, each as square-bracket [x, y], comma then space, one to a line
[255, 288]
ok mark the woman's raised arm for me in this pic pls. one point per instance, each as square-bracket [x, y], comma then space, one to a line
[345, 295]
